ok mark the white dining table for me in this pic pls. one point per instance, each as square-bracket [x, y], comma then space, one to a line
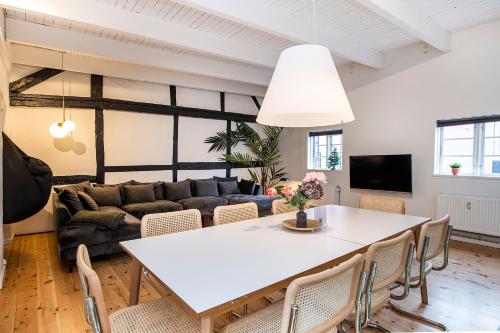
[216, 269]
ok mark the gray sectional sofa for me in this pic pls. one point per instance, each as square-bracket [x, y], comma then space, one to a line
[102, 215]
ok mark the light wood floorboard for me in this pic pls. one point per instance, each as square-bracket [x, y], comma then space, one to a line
[40, 296]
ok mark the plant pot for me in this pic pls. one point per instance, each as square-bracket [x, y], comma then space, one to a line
[301, 219]
[454, 171]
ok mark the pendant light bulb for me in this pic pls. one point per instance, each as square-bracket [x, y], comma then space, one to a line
[69, 125]
[57, 130]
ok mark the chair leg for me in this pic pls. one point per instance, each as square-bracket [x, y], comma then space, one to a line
[378, 327]
[423, 292]
[417, 317]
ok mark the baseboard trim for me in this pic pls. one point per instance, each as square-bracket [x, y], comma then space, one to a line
[476, 238]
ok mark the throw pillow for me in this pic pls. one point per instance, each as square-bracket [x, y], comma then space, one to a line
[120, 186]
[105, 196]
[70, 198]
[102, 219]
[206, 188]
[139, 193]
[158, 187]
[87, 201]
[76, 187]
[246, 186]
[226, 179]
[177, 191]
[226, 188]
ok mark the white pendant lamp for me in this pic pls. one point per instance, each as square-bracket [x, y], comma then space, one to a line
[305, 90]
[60, 130]
[57, 130]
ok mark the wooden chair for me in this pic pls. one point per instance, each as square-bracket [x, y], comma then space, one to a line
[280, 206]
[383, 204]
[313, 304]
[158, 316]
[434, 239]
[385, 262]
[167, 223]
[235, 213]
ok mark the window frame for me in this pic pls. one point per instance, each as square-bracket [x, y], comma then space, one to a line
[329, 143]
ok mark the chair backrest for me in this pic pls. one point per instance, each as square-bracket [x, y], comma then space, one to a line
[280, 206]
[235, 213]
[321, 301]
[95, 307]
[391, 257]
[167, 223]
[437, 232]
[383, 204]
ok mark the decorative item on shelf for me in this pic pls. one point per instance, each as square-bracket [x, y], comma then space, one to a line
[305, 89]
[310, 189]
[60, 130]
[333, 160]
[455, 168]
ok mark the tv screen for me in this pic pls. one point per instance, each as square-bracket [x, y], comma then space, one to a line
[381, 172]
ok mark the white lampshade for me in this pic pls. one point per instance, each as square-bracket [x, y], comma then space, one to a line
[57, 130]
[305, 90]
[69, 125]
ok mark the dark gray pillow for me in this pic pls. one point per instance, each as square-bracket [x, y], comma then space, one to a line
[206, 188]
[102, 219]
[120, 186]
[177, 191]
[246, 186]
[158, 187]
[69, 197]
[105, 196]
[75, 187]
[225, 179]
[139, 193]
[87, 201]
[226, 188]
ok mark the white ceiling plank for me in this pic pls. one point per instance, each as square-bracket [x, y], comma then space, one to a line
[258, 15]
[106, 16]
[409, 17]
[35, 34]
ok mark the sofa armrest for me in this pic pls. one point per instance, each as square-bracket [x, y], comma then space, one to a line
[61, 214]
[258, 189]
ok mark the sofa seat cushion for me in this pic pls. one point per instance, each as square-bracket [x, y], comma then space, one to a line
[205, 205]
[264, 202]
[71, 235]
[131, 219]
[158, 206]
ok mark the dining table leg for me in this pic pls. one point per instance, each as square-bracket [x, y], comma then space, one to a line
[207, 325]
[135, 282]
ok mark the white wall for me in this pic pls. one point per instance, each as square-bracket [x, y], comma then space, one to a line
[398, 113]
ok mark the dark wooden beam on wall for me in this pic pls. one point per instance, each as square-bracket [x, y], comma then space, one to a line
[41, 101]
[74, 179]
[228, 130]
[175, 135]
[32, 80]
[96, 91]
[256, 102]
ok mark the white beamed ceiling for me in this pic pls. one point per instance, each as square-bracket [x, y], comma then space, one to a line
[354, 21]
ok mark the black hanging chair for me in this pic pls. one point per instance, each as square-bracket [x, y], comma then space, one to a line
[27, 182]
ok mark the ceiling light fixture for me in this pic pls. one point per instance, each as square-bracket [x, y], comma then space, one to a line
[305, 89]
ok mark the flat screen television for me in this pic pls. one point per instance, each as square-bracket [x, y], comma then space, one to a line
[381, 172]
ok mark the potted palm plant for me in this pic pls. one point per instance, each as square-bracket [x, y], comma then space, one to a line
[263, 152]
[455, 168]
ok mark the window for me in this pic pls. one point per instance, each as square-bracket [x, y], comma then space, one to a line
[473, 142]
[321, 145]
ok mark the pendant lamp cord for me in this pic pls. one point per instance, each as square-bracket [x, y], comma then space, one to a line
[63, 102]
[315, 24]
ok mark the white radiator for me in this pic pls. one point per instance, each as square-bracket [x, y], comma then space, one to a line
[470, 213]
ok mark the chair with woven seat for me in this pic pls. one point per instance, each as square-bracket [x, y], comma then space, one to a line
[385, 262]
[167, 223]
[235, 213]
[383, 204]
[434, 239]
[281, 206]
[313, 304]
[159, 316]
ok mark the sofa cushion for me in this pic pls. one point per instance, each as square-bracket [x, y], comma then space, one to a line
[139, 193]
[206, 188]
[143, 208]
[87, 201]
[102, 219]
[177, 191]
[205, 205]
[129, 218]
[264, 202]
[246, 186]
[105, 196]
[76, 187]
[226, 179]
[69, 197]
[119, 185]
[230, 187]
[158, 186]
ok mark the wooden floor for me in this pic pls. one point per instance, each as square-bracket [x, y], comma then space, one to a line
[39, 296]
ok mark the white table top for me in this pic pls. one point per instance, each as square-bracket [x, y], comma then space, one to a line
[212, 266]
